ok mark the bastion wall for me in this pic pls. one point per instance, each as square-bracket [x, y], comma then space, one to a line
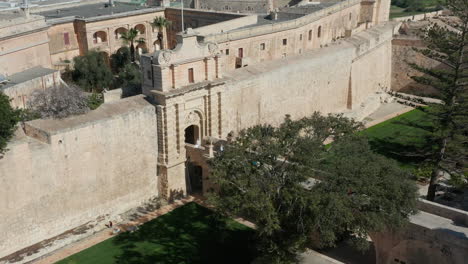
[334, 79]
[65, 173]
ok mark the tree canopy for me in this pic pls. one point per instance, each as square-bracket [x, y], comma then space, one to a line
[161, 23]
[91, 72]
[9, 117]
[119, 59]
[299, 191]
[130, 37]
[449, 47]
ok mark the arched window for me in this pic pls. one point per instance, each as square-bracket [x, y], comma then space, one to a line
[310, 35]
[118, 32]
[140, 28]
[99, 37]
[141, 48]
[350, 16]
[157, 44]
[319, 31]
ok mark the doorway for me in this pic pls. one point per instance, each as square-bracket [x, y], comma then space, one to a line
[191, 134]
[194, 178]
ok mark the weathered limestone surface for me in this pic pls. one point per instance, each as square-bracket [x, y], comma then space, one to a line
[436, 235]
[329, 80]
[80, 168]
[24, 43]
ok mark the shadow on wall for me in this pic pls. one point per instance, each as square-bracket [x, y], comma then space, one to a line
[452, 232]
[175, 195]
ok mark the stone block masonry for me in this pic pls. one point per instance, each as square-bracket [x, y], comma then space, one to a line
[71, 171]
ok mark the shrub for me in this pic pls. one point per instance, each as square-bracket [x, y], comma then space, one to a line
[59, 102]
[9, 117]
[91, 72]
[95, 100]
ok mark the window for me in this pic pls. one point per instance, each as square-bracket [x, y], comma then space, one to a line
[310, 35]
[319, 31]
[262, 46]
[66, 38]
[300, 37]
[190, 75]
[227, 51]
[241, 53]
[285, 42]
[350, 16]
[148, 74]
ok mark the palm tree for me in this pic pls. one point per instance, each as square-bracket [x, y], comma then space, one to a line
[161, 23]
[130, 37]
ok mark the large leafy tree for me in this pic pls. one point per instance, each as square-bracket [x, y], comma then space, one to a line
[301, 192]
[120, 59]
[9, 117]
[91, 72]
[130, 37]
[449, 46]
[130, 80]
[161, 23]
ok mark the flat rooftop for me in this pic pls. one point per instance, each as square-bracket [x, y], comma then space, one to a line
[26, 75]
[288, 13]
[306, 9]
[93, 10]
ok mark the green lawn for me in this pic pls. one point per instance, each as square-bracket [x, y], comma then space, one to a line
[396, 11]
[189, 234]
[398, 139]
[428, 6]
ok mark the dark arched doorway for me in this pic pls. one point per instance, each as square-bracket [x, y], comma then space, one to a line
[192, 134]
[194, 178]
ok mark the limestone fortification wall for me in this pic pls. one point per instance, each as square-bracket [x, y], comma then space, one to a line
[281, 26]
[69, 172]
[420, 16]
[404, 53]
[330, 80]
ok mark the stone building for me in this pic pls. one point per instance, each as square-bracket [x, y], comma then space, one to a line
[25, 60]
[208, 77]
[24, 43]
[227, 76]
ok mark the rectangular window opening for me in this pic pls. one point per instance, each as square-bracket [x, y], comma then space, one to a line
[190, 75]
[66, 38]
[285, 42]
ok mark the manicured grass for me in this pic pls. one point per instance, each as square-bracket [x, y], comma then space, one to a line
[428, 5]
[398, 139]
[396, 11]
[189, 234]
